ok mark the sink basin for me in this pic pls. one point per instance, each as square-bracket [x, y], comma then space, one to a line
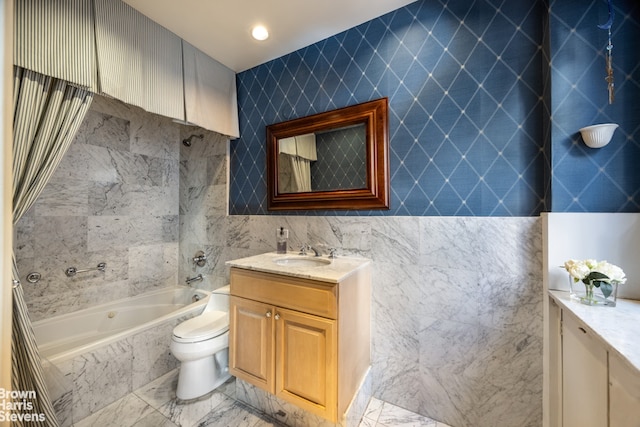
[301, 261]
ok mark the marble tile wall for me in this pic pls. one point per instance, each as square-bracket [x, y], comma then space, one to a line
[457, 308]
[203, 207]
[87, 383]
[113, 199]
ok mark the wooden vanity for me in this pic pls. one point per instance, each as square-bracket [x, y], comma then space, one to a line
[301, 334]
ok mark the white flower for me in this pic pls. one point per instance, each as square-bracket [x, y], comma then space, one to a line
[577, 269]
[613, 272]
[592, 263]
[581, 270]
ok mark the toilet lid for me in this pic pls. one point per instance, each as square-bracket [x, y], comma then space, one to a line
[203, 327]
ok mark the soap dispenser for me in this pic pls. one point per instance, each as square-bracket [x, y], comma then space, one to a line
[282, 234]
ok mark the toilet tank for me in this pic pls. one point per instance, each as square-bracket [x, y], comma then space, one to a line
[218, 300]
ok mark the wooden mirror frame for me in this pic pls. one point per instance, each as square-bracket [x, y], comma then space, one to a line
[374, 116]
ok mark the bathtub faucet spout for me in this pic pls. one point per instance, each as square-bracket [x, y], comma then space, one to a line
[190, 280]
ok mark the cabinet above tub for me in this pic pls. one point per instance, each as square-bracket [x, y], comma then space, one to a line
[301, 333]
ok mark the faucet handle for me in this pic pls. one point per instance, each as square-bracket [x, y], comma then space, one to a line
[303, 249]
[332, 252]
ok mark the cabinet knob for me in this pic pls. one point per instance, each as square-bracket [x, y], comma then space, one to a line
[277, 316]
[268, 314]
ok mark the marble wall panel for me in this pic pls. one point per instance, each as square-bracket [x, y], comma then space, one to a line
[104, 130]
[217, 170]
[118, 232]
[151, 355]
[456, 308]
[502, 245]
[193, 172]
[101, 377]
[155, 137]
[203, 207]
[63, 197]
[114, 196]
[395, 240]
[238, 233]
[152, 267]
[349, 235]
[59, 379]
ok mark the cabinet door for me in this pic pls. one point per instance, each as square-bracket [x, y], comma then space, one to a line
[554, 370]
[306, 361]
[584, 377]
[251, 337]
[624, 394]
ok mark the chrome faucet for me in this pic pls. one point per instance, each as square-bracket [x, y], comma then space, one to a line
[190, 280]
[304, 248]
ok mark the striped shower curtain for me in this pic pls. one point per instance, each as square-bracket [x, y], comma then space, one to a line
[47, 114]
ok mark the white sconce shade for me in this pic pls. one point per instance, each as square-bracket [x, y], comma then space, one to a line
[597, 136]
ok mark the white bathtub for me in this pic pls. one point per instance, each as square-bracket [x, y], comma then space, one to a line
[66, 336]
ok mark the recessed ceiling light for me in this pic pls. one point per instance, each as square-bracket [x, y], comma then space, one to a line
[260, 33]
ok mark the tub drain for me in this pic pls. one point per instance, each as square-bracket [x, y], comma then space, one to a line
[111, 314]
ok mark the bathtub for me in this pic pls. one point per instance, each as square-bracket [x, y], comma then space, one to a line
[66, 336]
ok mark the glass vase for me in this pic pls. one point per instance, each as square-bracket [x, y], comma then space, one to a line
[590, 294]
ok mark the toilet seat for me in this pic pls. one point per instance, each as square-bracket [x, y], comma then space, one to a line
[203, 327]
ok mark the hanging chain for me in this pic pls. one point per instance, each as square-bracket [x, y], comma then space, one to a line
[608, 55]
[609, 78]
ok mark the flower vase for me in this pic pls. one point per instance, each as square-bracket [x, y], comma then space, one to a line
[590, 294]
[588, 298]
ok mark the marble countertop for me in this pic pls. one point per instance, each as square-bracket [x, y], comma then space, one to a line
[617, 327]
[338, 270]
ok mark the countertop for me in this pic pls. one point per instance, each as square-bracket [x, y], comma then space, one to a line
[338, 270]
[617, 327]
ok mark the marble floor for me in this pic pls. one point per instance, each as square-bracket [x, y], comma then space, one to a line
[155, 405]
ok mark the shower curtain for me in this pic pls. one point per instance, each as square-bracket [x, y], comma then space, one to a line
[301, 172]
[47, 114]
[296, 154]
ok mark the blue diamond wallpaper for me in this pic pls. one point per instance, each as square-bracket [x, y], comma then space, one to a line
[341, 163]
[586, 179]
[486, 99]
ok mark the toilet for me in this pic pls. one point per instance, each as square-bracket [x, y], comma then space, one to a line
[201, 344]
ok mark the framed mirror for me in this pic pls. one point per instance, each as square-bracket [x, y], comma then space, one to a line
[333, 160]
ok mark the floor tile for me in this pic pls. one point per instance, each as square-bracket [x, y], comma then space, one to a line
[156, 405]
[395, 416]
[127, 412]
[236, 414]
[189, 413]
[373, 409]
[160, 391]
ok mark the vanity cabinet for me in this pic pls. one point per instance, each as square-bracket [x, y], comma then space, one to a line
[305, 341]
[590, 383]
[584, 377]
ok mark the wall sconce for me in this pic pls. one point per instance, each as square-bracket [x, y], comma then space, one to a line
[597, 136]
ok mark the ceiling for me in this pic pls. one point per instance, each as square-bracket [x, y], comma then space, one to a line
[222, 28]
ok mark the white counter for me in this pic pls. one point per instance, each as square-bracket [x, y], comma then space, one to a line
[338, 270]
[618, 328]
